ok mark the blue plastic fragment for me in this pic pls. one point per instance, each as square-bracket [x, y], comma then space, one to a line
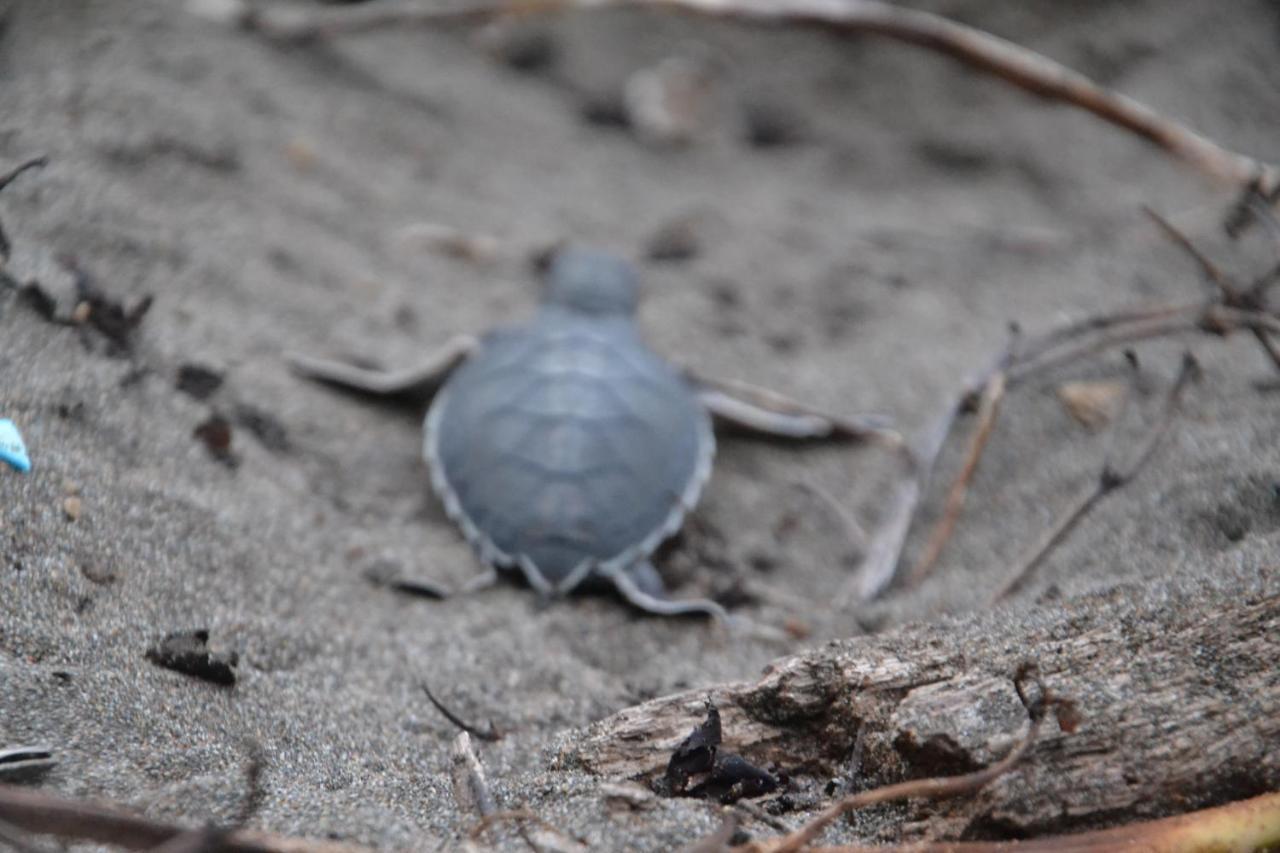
[12, 450]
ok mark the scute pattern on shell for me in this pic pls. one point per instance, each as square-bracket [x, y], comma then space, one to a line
[567, 440]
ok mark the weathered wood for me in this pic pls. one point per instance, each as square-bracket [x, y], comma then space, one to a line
[1179, 704]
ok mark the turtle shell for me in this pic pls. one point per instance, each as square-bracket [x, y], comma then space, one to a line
[567, 447]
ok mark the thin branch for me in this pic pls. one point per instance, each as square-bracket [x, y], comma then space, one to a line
[1268, 346]
[884, 551]
[1252, 824]
[255, 791]
[287, 22]
[48, 814]
[15, 838]
[1253, 199]
[489, 735]
[1213, 318]
[1168, 322]
[988, 409]
[1037, 346]
[1053, 349]
[1219, 318]
[205, 839]
[1264, 211]
[34, 163]
[520, 815]
[1258, 292]
[983, 51]
[1229, 295]
[853, 530]
[1110, 479]
[470, 788]
[1208, 268]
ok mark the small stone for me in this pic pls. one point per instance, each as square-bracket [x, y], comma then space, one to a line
[676, 240]
[39, 300]
[770, 125]
[529, 51]
[1092, 404]
[81, 314]
[215, 433]
[188, 652]
[12, 449]
[669, 102]
[451, 242]
[198, 381]
[71, 506]
[605, 109]
[797, 629]
[97, 574]
[629, 794]
[226, 12]
[264, 426]
[300, 154]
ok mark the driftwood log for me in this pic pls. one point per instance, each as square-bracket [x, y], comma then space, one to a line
[1178, 702]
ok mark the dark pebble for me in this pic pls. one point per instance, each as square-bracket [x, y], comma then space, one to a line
[216, 434]
[188, 652]
[605, 110]
[530, 51]
[675, 241]
[768, 125]
[263, 426]
[198, 381]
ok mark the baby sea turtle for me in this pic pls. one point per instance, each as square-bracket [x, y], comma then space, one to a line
[565, 447]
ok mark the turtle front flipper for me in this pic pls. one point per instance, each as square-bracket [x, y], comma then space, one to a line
[760, 411]
[419, 381]
[642, 587]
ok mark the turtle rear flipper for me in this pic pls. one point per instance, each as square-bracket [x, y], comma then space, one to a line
[642, 587]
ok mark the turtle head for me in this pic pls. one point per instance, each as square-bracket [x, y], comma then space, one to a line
[591, 282]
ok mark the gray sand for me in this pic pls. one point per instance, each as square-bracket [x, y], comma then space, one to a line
[257, 193]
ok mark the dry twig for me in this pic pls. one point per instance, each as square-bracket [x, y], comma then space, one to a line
[983, 51]
[521, 816]
[48, 814]
[1252, 824]
[490, 734]
[988, 410]
[8, 178]
[470, 788]
[12, 836]
[1110, 479]
[1227, 309]
[884, 552]
[1248, 299]
[1056, 348]
[1080, 343]
[885, 548]
[34, 163]
[1254, 202]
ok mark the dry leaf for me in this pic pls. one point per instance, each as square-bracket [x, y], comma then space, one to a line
[1093, 404]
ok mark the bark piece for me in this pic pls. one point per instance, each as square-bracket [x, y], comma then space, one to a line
[1178, 696]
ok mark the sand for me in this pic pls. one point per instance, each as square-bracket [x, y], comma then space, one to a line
[260, 194]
